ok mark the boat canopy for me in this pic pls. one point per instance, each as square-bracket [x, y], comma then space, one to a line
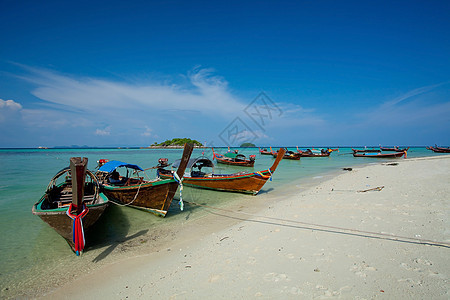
[199, 162]
[234, 155]
[114, 164]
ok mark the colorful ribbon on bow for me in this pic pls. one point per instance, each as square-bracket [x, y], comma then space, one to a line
[77, 232]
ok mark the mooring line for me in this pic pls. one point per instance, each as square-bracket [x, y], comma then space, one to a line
[375, 234]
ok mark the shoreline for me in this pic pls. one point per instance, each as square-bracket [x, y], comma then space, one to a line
[229, 257]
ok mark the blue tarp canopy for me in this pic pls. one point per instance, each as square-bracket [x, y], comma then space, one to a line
[114, 164]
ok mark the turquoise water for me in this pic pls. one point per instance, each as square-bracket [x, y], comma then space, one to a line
[30, 249]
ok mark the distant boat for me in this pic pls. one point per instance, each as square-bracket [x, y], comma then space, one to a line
[379, 154]
[310, 153]
[244, 182]
[365, 150]
[289, 155]
[154, 196]
[397, 149]
[72, 203]
[234, 159]
[265, 151]
[439, 149]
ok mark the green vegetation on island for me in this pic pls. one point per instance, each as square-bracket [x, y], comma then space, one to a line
[177, 142]
[247, 145]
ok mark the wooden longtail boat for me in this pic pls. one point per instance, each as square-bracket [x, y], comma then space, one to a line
[365, 150]
[243, 182]
[265, 152]
[309, 153]
[234, 159]
[72, 199]
[380, 155]
[154, 196]
[397, 149]
[439, 149]
[289, 155]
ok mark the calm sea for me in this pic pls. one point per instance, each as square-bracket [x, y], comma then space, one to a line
[32, 255]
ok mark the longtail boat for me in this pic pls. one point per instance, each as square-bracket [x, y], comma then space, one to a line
[310, 153]
[380, 155]
[234, 159]
[289, 155]
[154, 196]
[439, 149]
[396, 149]
[365, 150]
[72, 203]
[265, 151]
[243, 182]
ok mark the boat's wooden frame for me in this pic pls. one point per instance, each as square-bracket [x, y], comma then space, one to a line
[242, 182]
[154, 196]
[240, 162]
[53, 205]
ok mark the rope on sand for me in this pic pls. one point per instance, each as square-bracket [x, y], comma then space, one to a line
[335, 228]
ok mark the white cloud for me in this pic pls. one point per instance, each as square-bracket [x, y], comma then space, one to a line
[9, 110]
[147, 132]
[10, 105]
[103, 132]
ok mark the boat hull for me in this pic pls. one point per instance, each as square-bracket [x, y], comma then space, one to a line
[380, 155]
[439, 149]
[295, 156]
[154, 197]
[315, 154]
[250, 183]
[63, 224]
[247, 163]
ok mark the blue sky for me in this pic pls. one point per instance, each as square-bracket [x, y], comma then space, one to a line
[320, 73]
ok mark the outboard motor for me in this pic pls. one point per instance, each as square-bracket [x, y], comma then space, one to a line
[163, 162]
[101, 162]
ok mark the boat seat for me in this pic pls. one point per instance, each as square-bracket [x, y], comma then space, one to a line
[65, 200]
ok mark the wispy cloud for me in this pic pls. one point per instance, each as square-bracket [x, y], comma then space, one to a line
[424, 104]
[127, 111]
[411, 94]
[203, 92]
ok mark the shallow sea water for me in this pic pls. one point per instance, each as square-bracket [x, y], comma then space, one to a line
[34, 258]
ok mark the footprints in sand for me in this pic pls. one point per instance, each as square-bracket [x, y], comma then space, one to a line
[275, 277]
[418, 265]
[361, 269]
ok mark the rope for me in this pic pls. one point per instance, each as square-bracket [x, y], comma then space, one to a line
[260, 174]
[180, 182]
[135, 197]
[320, 227]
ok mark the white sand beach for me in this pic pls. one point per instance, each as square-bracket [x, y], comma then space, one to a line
[330, 240]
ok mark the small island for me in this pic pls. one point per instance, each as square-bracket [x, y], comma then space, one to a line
[247, 145]
[176, 143]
